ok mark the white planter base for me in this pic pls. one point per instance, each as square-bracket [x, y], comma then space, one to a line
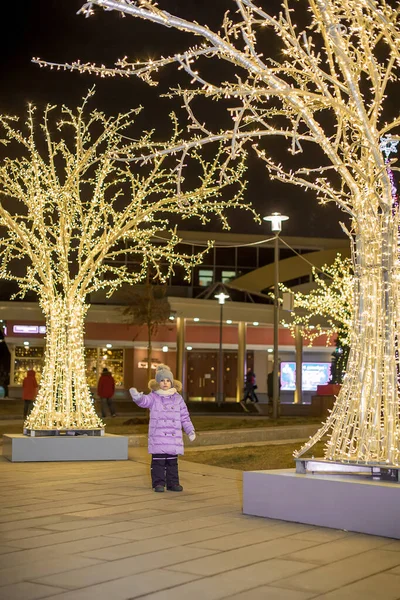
[21, 448]
[353, 503]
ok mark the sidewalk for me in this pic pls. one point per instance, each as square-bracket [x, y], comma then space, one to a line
[85, 531]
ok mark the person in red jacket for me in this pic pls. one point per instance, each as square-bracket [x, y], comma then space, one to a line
[105, 390]
[29, 391]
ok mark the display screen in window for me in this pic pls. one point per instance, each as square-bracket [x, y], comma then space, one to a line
[313, 375]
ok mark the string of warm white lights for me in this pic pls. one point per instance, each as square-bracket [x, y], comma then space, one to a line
[332, 299]
[326, 89]
[70, 210]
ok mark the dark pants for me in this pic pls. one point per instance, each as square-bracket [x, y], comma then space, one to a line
[107, 402]
[164, 469]
[250, 393]
[28, 405]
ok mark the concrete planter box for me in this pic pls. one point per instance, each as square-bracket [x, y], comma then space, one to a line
[21, 448]
[349, 502]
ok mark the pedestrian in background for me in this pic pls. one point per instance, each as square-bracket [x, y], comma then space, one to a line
[29, 391]
[250, 386]
[106, 390]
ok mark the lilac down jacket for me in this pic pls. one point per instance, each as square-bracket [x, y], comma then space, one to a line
[168, 414]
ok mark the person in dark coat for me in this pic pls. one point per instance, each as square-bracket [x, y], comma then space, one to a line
[29, 391]
[270, 387]
[250, 386]
[105, 390]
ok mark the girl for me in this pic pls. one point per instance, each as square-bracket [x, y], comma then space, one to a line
[168, 414]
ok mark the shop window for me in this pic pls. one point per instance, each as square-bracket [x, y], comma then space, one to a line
[113, 360]
[26, 358]
[97, 359]
[91, 360]
[206, 277]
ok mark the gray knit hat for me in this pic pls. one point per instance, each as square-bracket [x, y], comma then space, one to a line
[164, 372]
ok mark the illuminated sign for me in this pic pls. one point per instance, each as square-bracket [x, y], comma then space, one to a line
[313, 375]
[29, 329]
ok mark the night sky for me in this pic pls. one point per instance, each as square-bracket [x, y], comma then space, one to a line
[50, 29]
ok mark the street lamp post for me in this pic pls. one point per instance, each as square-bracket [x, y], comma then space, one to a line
[276, 220]
[220, 380]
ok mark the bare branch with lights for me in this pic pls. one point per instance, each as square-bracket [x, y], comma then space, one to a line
[332, 298]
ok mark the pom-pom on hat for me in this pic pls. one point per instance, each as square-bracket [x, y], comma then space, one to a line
[164, 372]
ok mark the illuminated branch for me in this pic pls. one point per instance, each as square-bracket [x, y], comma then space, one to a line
[332, 299]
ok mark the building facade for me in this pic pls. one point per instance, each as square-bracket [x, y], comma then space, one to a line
[190, 340]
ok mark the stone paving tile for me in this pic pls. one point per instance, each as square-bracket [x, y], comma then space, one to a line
[8, 548]
[339, 549]
[248, 538]
[97, 511]
[41, 568]
[116, 510]
[26, 556]
[15, 502]
[383, 586]
[394, 546]
[77, 524]
[267, 592]
[56, 538]
[115, 501]
[50, 511]
[109, 528]
[6, 512]
[20, 534]
[154, 531]
[123, 550]
[48, 505]
[343, 572]
[322, 535]
[92, 575]
[224, 585]
[29, 523]
[27, 591]
[126, 588]
[188, 514]
[234, 559]
[88, 544]
[228, 527]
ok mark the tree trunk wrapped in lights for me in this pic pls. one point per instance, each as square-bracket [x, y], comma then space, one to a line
[71, 210]
[327, 87]
[64, 400]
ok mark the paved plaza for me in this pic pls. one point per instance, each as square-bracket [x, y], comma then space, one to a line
[96, 531]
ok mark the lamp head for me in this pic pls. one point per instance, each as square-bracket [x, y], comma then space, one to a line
[276, 220]
[221, 297]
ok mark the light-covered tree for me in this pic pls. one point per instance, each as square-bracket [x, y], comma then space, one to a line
[331, 298]
[70, 213]
[326, 91]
